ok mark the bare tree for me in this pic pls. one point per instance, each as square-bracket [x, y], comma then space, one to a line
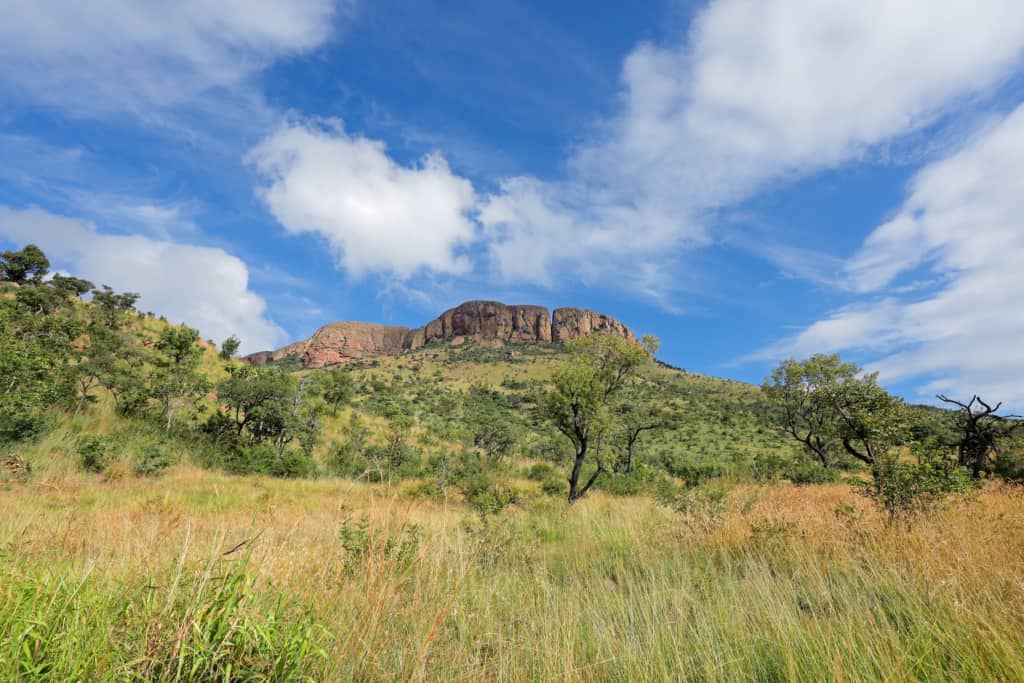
[980, 431]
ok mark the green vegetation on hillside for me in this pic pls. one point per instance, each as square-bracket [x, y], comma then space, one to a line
[168, 512]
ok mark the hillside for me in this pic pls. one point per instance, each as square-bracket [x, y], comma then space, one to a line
[170, 512]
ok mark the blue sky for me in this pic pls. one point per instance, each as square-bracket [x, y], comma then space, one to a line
[746, 179]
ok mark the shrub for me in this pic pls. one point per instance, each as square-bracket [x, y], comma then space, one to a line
[802, 471]
[904, 489]
[554, 486]
[1010, 467]
[93, 452]
[487, 496]
[153, 460]
[540, 471]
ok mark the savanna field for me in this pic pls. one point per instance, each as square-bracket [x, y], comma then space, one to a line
[479, 511]
[146, 580]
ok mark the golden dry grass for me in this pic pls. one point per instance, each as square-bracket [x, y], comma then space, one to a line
[791, 583]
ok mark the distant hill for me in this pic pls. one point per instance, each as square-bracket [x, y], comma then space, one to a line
[490, 321]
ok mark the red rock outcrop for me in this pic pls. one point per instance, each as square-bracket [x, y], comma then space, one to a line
[348, 341]
[572, 323]
[487, 322]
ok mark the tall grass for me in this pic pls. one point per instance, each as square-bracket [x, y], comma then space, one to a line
[338, 581]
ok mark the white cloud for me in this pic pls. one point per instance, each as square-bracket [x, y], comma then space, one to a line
[763, 91]
[378, 216]
[112, 55]
[204, 287]
[961, 223]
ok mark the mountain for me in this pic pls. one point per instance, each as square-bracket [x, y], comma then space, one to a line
[489, 322]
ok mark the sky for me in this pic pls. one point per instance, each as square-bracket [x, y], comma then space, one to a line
[748, 180]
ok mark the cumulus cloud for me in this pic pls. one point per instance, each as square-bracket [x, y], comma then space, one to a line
[377, 215]
[961, 225]
[763, 91]
[204, 287]
[123, 54]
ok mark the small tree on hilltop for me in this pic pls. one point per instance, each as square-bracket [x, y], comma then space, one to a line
[580, 401]
[28, 265]
[229, 347]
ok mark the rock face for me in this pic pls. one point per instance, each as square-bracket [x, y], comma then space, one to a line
[572, 323]
[487, 322]
[348, 341]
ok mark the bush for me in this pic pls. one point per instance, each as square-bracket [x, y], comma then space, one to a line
[1010, 467]
[554, 486]
[540, 471]
[487, 496]
[153, 460]
[804, 471]
[93, 452]
[904, 489]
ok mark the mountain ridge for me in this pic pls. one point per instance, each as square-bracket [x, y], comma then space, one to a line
[490, 321]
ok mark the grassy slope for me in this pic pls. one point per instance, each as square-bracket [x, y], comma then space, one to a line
[118, 577]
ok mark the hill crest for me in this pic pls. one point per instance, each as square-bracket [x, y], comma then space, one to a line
[496, 322]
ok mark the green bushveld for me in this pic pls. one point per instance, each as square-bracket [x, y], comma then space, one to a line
[405, 518]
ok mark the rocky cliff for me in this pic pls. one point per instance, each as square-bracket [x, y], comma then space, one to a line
[492, 321]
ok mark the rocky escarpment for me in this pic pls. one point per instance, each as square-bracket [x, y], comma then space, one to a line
[492, 321]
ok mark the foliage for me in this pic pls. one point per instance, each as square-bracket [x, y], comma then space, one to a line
[903, 489]
[229, 347]
[152, 460]
[800, 392]
[26, 265]
[94, 453]
[580, 401]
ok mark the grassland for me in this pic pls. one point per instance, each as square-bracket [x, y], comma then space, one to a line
[135, 578]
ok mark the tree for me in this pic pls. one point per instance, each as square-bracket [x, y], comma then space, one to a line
[337, 388]
[229, 347]
[635, 419]
[582, 394]
[798, 391]
[28, 265]
[825, 404]
[979, 431]
[71, 286]
[268, 405]
[870, 421]
[35, 356]
[177, 380]
[109, 307]
[902, 488]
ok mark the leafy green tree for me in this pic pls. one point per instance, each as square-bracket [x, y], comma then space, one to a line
[580, 401]
[979, 432]
[110, 307]
[337, 388]
[799, 392]
[27, 265]
[35, 355]
[635, 418]
[229, 347]
[179, 344]
[270, 406]
[71, 286]
[870, 422]
[177, 381]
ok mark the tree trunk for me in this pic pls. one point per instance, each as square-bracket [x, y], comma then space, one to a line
[574, 477]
